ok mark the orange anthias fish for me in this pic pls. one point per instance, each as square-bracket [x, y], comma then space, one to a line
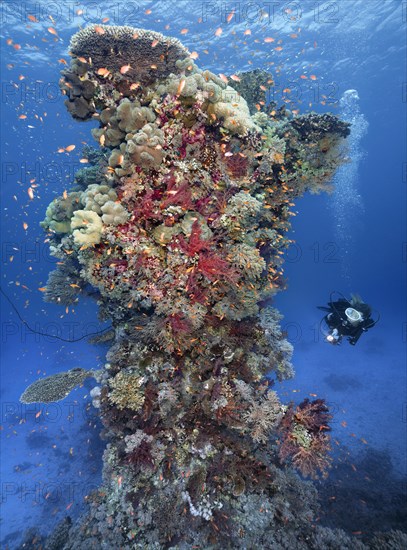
[181, 86]
[103, 71]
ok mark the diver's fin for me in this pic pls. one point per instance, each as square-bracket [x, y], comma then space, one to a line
[324, 308]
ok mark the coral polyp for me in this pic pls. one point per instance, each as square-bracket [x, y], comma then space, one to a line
[182, 231]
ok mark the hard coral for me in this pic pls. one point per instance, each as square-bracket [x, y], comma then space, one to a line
[149, 55]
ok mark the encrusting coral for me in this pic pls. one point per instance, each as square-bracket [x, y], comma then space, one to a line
[199, 196]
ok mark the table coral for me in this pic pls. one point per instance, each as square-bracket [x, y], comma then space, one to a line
[183, 267]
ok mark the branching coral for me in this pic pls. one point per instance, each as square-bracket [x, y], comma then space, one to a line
[252, 85]
[183, 238]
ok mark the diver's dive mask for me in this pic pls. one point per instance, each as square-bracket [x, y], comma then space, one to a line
[353, 316]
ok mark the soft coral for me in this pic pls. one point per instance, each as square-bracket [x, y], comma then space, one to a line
[304, 441]
[196, 244]
[177, 196]
[214, 267]
[147, 207]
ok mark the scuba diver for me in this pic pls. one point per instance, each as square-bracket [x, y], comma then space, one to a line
[348, 318]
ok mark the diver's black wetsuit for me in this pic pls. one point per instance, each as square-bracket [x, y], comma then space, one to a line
[336, 319]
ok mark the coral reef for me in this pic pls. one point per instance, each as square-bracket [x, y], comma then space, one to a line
[182, 235]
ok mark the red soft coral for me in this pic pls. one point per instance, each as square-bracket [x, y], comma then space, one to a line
[314, 415]
[309, 461]
[237, 165]
[304, 441]
[195, 244]
[177, 196]
[148, 207]
[214, 267]
[179, 324]
[196, 292]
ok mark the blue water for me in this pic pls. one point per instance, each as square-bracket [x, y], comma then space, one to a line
[52, 456]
